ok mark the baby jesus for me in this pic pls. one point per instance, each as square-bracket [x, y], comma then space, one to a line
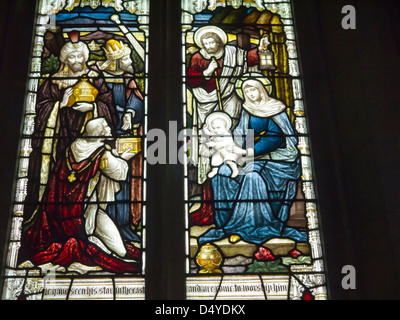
[217, 138]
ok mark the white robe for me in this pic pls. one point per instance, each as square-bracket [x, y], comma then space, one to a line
[99, 227]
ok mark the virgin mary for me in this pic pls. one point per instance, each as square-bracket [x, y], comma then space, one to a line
[255, 205]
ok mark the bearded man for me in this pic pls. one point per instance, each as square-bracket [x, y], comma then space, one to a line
[61, 114]
[118, 73]
[215, 68]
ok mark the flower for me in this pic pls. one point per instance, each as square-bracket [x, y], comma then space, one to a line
[295, 253]
[264, 254]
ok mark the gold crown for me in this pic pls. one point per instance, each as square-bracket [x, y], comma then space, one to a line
[115, 50]
[94, 46]
[83, 91]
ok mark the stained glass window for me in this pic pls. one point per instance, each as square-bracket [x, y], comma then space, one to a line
[252, 220]
[79, 211]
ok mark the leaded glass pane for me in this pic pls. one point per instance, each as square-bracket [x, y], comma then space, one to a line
[78, 220]
[251, 206]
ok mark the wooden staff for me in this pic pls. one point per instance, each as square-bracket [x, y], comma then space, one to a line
[217, 87]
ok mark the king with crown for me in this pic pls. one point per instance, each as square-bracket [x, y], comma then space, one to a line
[65, 102]
[119, 74]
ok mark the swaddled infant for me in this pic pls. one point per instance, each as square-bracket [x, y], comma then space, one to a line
[216, 135]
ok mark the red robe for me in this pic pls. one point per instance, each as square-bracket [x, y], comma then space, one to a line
[204, 216]
[198, 64]
[70, 126]
[57, 232]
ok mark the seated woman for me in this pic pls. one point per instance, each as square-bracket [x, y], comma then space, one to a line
[255, 205]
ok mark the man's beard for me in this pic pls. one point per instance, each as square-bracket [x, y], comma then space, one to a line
[76, 67]
[127, 67]
[212, 50]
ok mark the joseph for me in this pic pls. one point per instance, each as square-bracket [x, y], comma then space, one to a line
[214, 69]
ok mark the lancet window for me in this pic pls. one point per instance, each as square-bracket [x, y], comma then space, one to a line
[252, 229]
[78, 218]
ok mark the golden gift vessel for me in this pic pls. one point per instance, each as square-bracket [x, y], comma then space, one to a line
[209, 259]
[83, 91]
[133, 144]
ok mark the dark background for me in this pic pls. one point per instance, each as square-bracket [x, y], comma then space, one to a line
[351, 81]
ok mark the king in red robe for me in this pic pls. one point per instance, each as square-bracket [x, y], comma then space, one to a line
[71, 214]
[56, 127]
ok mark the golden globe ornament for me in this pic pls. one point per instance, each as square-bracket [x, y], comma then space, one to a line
[209, 259]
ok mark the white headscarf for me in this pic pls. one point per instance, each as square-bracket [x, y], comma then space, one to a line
[267, 107]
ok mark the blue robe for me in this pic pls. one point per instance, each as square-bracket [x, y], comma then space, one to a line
[123, 105]
[255, 205]
[120, 210]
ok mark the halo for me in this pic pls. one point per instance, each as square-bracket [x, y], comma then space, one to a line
[219, 114]
[252, 76]
[200, 32]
